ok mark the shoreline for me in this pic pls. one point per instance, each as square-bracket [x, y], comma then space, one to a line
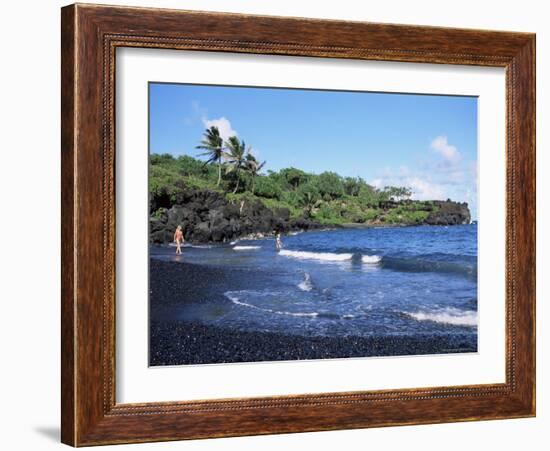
[379, 225]
[212, 216]
[174, 341]
[327, 228]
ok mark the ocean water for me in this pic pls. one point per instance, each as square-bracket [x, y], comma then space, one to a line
[345, 282]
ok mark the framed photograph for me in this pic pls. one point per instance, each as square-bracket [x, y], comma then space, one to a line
[279, 225]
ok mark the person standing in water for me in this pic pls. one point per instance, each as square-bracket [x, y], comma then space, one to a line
[178, 239]
[278, 242]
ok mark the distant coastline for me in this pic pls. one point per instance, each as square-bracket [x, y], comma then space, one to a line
[208, 217]
[220, 205]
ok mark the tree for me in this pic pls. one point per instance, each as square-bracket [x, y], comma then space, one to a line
[405, 193]
[353, 185]
[187, 165]
[397, 193]
[294, 177]
[236, 157]
[368, 195]
[330, 185]
[213, 144]
[308, 197]
[253, 167]
[267, 187]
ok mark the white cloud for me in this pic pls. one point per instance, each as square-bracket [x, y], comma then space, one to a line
[424, 190]
[223, 124]
[450, 177]
[378, 183]
[448, 152]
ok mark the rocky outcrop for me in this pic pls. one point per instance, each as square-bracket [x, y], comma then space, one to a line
[207, 216]
[449, 213]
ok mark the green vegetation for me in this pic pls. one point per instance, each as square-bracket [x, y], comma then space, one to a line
[232, 169]
[213, 144]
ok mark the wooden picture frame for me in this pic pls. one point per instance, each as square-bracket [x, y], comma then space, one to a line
[90, 36]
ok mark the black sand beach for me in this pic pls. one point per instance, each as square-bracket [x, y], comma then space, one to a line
[173, 285]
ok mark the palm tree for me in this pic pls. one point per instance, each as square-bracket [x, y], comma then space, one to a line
[308, 197]
[213, 144]
[253, 166]
[236, 158]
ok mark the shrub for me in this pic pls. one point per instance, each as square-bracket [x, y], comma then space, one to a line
[330, 185]
[329, 213]
[294, 177]
[267, 187]
[353, 185]
[368, 196]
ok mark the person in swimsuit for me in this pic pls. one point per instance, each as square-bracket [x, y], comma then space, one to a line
[178, 239]
[278, 242]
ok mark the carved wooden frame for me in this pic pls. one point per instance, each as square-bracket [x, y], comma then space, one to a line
[90, 35]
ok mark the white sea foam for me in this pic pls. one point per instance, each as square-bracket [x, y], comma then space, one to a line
[448, 316]
[195, 246]
[297, 232]
[236, 300]
[306, 285]
[312, 315]
[371, 259]
[245, 248]
[324, 256]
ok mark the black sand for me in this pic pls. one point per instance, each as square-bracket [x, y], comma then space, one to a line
[175, 342]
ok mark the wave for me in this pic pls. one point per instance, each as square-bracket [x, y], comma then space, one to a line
[413, 264]
[306, 284]
[323, 315]
[371, 259]
[324, 256]
[245, 248]
[236, 300]
[194, 246]
[422, 265]
[451, 316]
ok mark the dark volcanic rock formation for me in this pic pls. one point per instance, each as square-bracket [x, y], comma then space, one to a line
[449, 213]
[208, 216]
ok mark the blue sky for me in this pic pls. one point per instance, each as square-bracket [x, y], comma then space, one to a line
[425, 142]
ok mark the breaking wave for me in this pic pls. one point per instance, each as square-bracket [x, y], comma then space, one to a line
[425, 264]
[323, 256]
[451, 316]
[306, 284]
[371, 259]
[245, 248]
